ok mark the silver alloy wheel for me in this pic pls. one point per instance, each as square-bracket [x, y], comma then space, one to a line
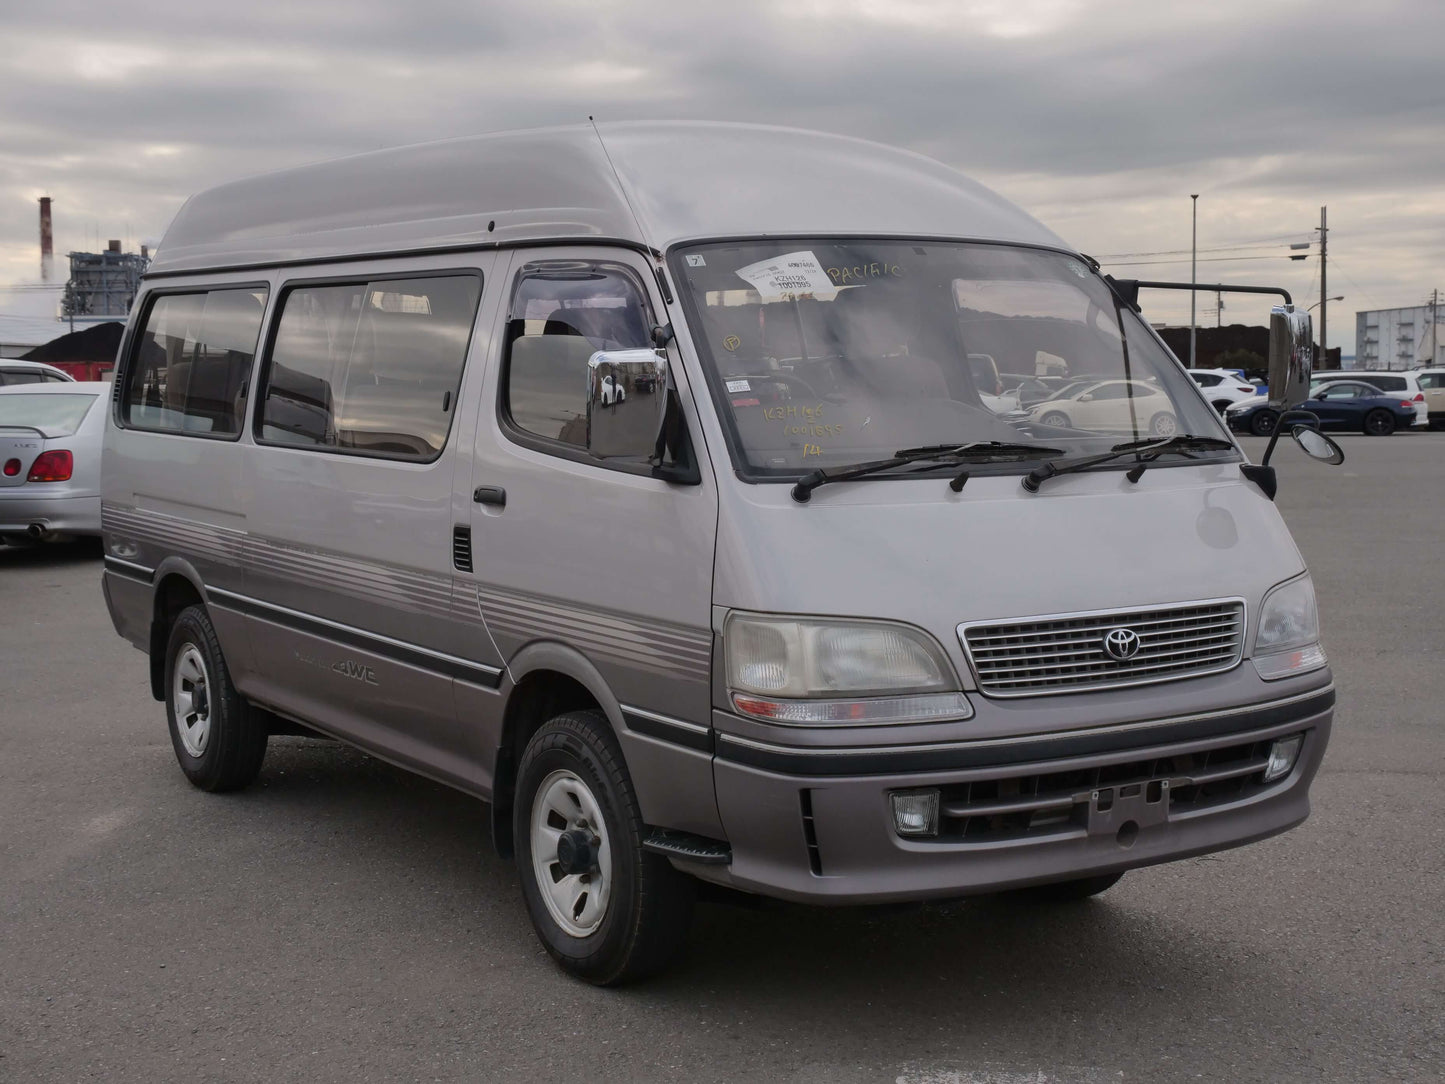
[190, 696]
[567, 822]
[1165, 425]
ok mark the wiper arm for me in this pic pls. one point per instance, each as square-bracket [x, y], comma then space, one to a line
[981, 451]
[1147, 450]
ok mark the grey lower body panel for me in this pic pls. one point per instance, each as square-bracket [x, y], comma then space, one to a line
[129, 597]
[828, 837]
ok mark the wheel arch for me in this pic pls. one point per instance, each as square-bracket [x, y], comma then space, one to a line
[543, 680]
[177, 585]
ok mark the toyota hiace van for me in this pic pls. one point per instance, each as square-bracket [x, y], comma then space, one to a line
[637, 480]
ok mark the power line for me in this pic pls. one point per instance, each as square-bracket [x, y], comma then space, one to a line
[1211, 259]
[1267, 242]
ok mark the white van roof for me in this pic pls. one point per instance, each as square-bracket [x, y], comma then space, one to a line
[685, 181]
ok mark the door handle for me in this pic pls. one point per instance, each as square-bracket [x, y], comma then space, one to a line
[490, 495]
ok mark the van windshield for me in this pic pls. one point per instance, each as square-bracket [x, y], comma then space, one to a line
[834, 352]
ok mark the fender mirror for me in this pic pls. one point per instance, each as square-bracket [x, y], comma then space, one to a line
[1291, 355]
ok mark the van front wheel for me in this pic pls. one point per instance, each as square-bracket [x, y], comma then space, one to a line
[604, 908]
[219, 739]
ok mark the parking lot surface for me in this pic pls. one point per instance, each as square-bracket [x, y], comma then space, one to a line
[342, 920]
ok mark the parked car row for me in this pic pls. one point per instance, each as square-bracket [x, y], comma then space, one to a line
[1376, 404]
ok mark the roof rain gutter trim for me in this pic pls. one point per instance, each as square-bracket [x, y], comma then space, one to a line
[407, 253]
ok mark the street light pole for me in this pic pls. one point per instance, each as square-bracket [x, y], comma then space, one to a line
[1193, 268]
[1324, 361]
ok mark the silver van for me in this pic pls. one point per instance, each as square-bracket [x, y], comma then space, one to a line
[635, 479]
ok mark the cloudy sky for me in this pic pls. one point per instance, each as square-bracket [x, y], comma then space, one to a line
[1098, 116]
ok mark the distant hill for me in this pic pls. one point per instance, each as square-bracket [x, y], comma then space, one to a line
[1211, 342]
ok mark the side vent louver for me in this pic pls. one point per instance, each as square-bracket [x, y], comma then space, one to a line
[462, 549]
[810, 833]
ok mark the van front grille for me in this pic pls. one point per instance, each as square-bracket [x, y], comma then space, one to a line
[1027, 807]
[1064, 654]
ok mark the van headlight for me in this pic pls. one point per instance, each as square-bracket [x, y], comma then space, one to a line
[1288, 640]
[838, 673]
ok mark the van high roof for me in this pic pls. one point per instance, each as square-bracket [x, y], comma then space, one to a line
[684, 180]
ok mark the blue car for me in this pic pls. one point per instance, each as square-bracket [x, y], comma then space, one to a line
[1339, 404]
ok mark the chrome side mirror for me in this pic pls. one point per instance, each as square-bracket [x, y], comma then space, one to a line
[1291, 355]
[626, 403]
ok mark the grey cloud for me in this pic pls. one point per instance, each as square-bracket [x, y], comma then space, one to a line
[1096, 118]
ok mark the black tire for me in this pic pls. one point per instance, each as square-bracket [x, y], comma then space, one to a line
[235, 734]
[1222, 406]
[1163, 424]
[1055, 418]
[649, 904]
[1262, 424]
[1070, 891]
[1379, 423]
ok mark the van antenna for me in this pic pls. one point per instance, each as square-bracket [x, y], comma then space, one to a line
[637, 218]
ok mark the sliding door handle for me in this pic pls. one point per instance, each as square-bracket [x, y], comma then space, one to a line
[490, 495]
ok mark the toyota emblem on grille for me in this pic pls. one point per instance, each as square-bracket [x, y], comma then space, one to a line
[1121, 644]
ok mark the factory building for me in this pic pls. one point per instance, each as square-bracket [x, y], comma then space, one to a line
[1408, 338]
[103, 283]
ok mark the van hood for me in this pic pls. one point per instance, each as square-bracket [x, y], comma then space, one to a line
[914, 551]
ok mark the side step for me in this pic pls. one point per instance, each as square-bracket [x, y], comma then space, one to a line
[710, 852]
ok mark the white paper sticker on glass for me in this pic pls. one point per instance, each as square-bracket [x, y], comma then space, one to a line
[789, 277]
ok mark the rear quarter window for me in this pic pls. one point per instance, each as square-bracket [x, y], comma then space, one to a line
[192, 362]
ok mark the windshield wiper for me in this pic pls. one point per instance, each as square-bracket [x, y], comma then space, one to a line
[1148, 450]
[981, 451]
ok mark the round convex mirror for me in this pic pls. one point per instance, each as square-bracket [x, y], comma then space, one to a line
[1317, 445]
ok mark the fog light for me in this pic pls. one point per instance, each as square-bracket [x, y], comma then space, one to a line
[915, 812]
[1282, 756]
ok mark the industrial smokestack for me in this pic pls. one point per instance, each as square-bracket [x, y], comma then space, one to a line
[47, 240]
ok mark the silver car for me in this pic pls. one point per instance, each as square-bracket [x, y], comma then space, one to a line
[50, 444]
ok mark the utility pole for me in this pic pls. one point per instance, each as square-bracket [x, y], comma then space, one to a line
[1324, 361]
[1218, 310]
[1193, 268]
[1434, 325]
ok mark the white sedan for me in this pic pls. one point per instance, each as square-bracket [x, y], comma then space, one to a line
[1110, 406]
[50, 441]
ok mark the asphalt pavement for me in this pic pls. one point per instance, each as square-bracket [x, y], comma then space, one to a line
[344, 921]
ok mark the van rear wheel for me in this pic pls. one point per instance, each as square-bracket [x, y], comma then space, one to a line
[219, 739]
[605, 909]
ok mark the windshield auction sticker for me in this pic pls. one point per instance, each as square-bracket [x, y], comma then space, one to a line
[790, 277]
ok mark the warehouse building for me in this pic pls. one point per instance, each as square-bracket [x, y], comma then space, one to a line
[1406, 338]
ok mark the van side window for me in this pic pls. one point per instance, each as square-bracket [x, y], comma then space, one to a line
[561, 314]
[369, 367]
[192, 362]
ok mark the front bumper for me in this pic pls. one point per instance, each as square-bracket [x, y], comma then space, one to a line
[816, 826]
[64, 513]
